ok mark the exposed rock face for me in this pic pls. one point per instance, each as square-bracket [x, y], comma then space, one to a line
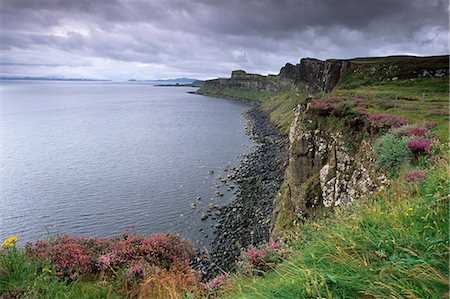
[328, 166]
[318, 75]
[240, 79]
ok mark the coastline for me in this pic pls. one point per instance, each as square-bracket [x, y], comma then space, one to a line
[247, 220]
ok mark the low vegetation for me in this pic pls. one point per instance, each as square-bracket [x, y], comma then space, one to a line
[390, 244]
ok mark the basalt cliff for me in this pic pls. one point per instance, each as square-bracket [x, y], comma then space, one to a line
[331, 156]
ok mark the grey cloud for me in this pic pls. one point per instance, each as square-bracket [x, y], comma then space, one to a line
[210, 38]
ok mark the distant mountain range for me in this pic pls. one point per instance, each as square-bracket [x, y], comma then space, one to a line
[50, 79]
[157, 81]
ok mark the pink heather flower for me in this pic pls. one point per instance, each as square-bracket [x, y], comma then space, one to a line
[421, 145]
[323, 107]
[216, 282]
[275, 246]
[429, 124]
[386, 120]
[439, 112]
[259, 256]
[418, 131]
[362, 111]
[72, 256]
[415, 175]
[134, 271]
[104, 261]
[360, 100]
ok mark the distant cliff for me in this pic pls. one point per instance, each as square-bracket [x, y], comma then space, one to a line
[323, 107]
[323, 76]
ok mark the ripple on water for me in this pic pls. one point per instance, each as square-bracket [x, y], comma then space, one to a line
[98, 158]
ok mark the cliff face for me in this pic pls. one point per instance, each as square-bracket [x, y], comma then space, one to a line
[242, 80]
[329, 164]
[323, 76]
[318, 75]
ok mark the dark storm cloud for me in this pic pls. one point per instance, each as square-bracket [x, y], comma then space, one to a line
[210, 38]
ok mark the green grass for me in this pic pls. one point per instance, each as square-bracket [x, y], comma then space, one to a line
[248, 95]
[281, 108]
[389, 245]
[413, 100]
[21, 277]
[386, 70]
[424, 89]
[279, 105]
[393, 244]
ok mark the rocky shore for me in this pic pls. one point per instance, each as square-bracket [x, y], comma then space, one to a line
[247, 220]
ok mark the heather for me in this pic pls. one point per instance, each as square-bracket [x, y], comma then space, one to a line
[392, 244]
[415, 175]
[356, 107]
[127, 264]
[261, 258]
[406, 145]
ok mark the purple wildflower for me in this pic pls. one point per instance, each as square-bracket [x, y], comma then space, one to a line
[216, 282]
[422, 145]
[415, 175]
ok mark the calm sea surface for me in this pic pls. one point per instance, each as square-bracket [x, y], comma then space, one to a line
[95, 159]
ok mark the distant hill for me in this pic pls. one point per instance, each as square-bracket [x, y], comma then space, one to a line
[173, 81]
[196, 83]
[50, 79]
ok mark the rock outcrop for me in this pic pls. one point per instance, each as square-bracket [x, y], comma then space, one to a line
[318, 75]
[331, 162]
[315, 75]
[242, 80]
[329, 165]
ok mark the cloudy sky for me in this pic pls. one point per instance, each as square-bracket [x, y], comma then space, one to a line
[122, 39]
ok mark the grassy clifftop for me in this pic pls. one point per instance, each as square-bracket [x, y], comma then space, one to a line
[414, 87]
[389, 244]
[392, 243]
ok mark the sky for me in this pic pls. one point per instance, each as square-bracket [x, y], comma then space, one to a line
[152, 39]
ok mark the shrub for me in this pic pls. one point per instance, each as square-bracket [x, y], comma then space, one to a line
[362, 111]
[67, 255]
[439, 112]
[386, 120]
[420, 146]
[415, 175]
[392, 152]
[215, 283]
[418, 131]
[429, 124]
[71, 256]
[358, 100]
[323, 107]
[346, 108]
[262, 257]
[179, 281]
[421, 130]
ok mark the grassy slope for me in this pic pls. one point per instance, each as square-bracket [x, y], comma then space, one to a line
[20, 278]
[414, 99]
[367, 249]
[278, 105]
[373, 248]
[391, 245]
